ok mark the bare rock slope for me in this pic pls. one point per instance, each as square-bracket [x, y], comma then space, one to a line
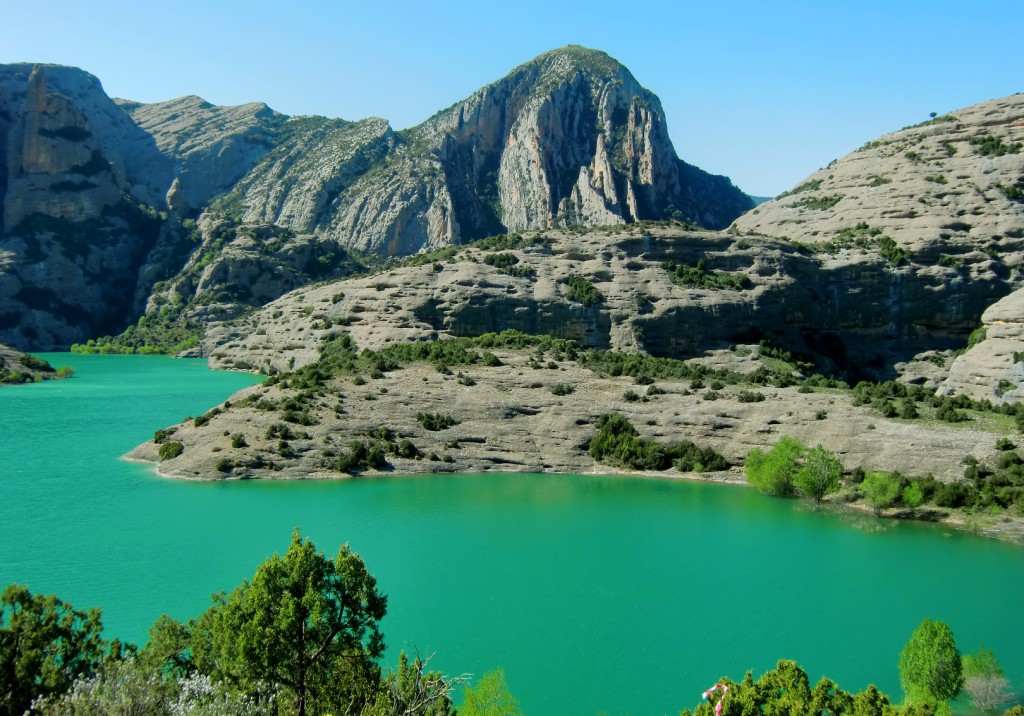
[568, 139]
[993, 368]
[211, 147]
[513, 417]
[74, 170]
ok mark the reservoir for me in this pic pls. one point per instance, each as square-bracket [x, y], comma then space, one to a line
[595, 594]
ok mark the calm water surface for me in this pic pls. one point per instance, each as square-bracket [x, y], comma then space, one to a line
[595, 594]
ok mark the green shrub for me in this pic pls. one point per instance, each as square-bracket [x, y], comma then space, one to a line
[583, 291]
[955, 494]
[950, 414]
[562, 389]
[772, 472]
[225, 465]
[812, 185]
[908, 409]
[361, 456]
[750, 396]
[989, 146]
[501, 261]
[170, 450]
[406, 449]
[618, 443]
[238, 441]
[162, 434]
[880, 489]
[818, 202]
[436, 421]
[699, 276]
[204, 419]
[888, 248]
[913, 495]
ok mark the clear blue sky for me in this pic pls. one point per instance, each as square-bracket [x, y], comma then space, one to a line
[763, 92]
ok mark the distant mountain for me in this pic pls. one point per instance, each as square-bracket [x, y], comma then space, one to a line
[99, 194]
[876, 262]
[568, 139]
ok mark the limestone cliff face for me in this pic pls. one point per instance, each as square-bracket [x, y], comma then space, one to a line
[569, 139]
[74, 169]
[858, 314]
[993, 368]
[941, 204]
[211, 147]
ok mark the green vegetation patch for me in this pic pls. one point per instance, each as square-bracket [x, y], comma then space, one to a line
[698, 276]
[617, 443]
[812, 185]
[436, 421]
[865, 237]
[162, 332]
[507, 264]
[819, 203]
[990, 146]
[583, 291]
[1012, 192]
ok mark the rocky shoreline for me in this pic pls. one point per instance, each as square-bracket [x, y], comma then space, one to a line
[508, 418]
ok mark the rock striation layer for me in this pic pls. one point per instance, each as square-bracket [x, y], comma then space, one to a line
[211, 147]
[568, 139]
[943, 200]
[74, 170]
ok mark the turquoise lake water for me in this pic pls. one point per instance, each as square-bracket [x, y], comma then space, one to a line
[611, 595]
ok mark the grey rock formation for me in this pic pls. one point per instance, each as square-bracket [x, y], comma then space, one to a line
[568, 139]
[993, 369]
[211, 147]
[856, 312]
[508, 419]
[943, 201]
[17, 367]
[74, 168]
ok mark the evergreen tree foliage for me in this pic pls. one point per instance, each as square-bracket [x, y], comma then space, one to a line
[306, 624]
[45, 644]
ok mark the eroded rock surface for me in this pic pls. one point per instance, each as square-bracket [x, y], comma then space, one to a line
[74, 171]
[509, 419]
[993, 369]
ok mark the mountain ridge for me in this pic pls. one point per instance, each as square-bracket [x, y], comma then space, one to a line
[567, 139]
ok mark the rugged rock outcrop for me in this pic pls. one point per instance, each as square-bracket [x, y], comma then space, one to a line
[666, 291]
[211, 147]
[74, 171]
[568, 139]
[948, 194]
[57, 113]
[993, 368]
[17, 367]
[534, 416]
[943, 202]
